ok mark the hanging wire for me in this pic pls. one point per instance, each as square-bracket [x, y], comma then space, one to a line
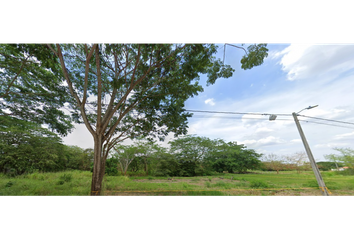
[242, 113]
[333, 125]
[265, 114]
[223, 61]
[330, 120]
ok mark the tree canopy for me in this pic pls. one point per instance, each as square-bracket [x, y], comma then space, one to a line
[31, 86]
[345, 157]
[26, 147]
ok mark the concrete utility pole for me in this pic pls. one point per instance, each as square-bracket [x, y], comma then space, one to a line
[315, 169]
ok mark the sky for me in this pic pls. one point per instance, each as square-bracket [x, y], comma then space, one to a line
[292, 77]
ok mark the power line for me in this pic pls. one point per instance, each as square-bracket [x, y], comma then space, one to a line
[264, 114]
[327, 124]
[222, 117]
[331, 120]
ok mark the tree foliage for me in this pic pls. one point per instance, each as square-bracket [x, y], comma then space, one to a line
[327, 166]
[193, 156]
[255, 56]
[232, 157]
[345, 157]
[31, 86]
[273, 162]
[26, 147]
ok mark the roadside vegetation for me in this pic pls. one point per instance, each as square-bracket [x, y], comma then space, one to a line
[258, 183]
[34, 162]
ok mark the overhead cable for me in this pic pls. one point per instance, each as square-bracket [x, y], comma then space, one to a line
[280, 114]
[330, 120]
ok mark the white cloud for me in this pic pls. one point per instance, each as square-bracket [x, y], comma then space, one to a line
[270, 140]
[297, 140]
[344, 135]
[210, 101]
[264, 130]
[331, 145]
[301, 61]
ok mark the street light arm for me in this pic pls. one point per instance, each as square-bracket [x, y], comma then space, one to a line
[309, 107]
[301, 111]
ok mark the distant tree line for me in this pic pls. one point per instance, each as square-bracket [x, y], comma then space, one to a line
[187, 156]
[292, 162]
[26, 147]
[299, 162]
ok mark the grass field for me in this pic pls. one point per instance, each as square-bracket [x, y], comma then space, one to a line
[77, 183]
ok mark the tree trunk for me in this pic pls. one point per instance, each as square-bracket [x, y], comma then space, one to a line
[99, 165]
[146, 167]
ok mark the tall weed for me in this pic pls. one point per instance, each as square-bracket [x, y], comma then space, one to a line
[258, 184]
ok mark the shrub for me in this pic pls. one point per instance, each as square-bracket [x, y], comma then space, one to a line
[258, 184]
[347, 172]
[9, 184]
[66, 177]
[60, 182]
[11, 172]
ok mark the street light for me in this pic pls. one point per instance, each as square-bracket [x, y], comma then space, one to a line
[315, 169]
[309, 107]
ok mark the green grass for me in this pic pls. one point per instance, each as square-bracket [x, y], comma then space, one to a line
[70, 183]
[78, 183]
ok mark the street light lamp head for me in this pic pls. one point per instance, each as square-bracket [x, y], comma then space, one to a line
[309, 107]
[312, 107]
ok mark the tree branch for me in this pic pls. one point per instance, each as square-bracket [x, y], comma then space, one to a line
[156, 64]
[73, 93]
[14, 79]
[87, 67]
[50, 47]
[99, 91]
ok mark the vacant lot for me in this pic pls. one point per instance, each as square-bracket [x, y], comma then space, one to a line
[77, 183]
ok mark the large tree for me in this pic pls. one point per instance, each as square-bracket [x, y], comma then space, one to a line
[31, 86]
[231, 157]
[132, 90]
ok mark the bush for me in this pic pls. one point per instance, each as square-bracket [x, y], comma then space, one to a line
[66, 177]
[168, 166]
[111, 168]
[9, 184]
[258, 184]
[346, 172]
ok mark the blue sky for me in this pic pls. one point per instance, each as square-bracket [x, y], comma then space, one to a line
[292, 77]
